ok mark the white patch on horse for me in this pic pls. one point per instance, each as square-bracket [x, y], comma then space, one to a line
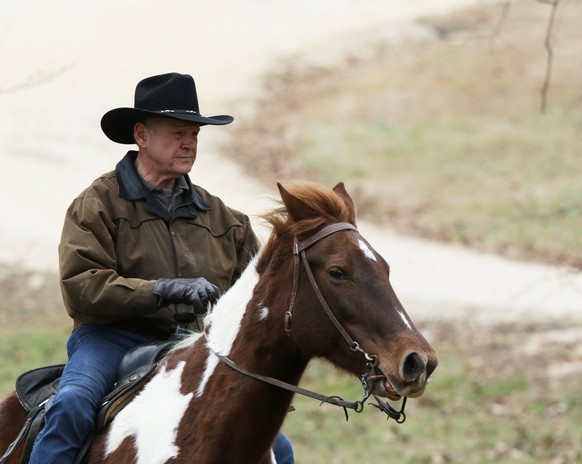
[263, 312]
[225, 320]
[368, 253]
[151, 422]
[405, 320]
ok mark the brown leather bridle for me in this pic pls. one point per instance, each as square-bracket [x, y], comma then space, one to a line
[299, 256]
[299, 251]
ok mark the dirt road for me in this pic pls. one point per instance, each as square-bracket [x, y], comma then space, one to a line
[64, 63]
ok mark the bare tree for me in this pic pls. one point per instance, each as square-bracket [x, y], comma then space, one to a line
[549, 51]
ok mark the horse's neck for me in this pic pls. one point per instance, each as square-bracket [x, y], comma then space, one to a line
[248, 328]
[247, 411]
[260, 346]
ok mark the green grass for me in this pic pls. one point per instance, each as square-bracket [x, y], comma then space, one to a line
[34, 326]
[470, 413]
[502, 393]
[25, 349]
[495, 396]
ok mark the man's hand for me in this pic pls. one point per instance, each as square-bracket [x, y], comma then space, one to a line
[197, 292]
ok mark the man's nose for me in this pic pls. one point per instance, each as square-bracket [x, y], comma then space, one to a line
[190, 142]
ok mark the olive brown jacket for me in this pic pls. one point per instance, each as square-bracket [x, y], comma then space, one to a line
[118, 239]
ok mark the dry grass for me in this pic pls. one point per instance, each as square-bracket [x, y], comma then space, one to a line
[442, 137]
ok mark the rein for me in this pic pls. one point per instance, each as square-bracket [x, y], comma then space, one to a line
[357, 406]
[371, 360]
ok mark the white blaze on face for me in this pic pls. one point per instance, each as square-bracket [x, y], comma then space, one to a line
[405, 320]
[152, 418]
[368, 253]
[225, 320]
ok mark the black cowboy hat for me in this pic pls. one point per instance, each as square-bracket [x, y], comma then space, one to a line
[169, 95]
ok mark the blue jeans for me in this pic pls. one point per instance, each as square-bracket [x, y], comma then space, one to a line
[94, 353]
[283, 450]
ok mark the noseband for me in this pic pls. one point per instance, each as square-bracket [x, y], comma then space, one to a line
[299, 248]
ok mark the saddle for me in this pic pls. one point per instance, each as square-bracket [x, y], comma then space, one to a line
[36, 388]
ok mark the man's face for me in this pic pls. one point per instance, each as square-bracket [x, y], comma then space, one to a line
[168, 146]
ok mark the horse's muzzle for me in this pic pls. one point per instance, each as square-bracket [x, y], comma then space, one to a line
[413, 374]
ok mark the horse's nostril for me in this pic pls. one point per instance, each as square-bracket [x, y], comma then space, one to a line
[413, 367]
[431, 366]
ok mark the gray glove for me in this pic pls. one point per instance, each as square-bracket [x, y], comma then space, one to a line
[197, 292]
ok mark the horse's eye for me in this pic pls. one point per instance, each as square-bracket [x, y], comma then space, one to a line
[336, 273]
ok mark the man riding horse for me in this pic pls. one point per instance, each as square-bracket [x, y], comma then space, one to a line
[139, 245]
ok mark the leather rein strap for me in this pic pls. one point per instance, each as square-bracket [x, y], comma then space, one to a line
[357, 406]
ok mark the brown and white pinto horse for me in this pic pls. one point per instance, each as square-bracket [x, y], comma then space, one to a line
[271, 322]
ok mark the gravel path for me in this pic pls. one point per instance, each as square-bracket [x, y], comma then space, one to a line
[65, 63]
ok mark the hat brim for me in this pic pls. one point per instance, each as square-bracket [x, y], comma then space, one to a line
[118, 123]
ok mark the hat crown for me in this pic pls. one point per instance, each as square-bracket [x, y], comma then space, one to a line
[167, 93]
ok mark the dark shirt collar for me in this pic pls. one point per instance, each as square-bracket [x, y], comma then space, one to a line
[132, 186]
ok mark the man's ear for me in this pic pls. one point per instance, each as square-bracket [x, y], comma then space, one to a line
[140, 133]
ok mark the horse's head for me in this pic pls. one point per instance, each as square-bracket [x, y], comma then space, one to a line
[356, 321]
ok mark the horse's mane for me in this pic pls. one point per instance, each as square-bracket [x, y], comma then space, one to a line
[322, 206]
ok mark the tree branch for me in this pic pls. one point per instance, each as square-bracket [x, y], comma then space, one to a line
[505, 7]
[550, 53]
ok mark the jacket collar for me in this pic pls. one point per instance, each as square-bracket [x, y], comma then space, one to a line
[132, 187]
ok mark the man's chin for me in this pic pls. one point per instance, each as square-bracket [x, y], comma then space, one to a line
[183, 166]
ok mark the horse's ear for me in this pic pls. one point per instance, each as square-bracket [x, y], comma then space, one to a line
[298, 210]
[340, 189]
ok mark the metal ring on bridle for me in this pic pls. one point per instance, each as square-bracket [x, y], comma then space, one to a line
[371, 358]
